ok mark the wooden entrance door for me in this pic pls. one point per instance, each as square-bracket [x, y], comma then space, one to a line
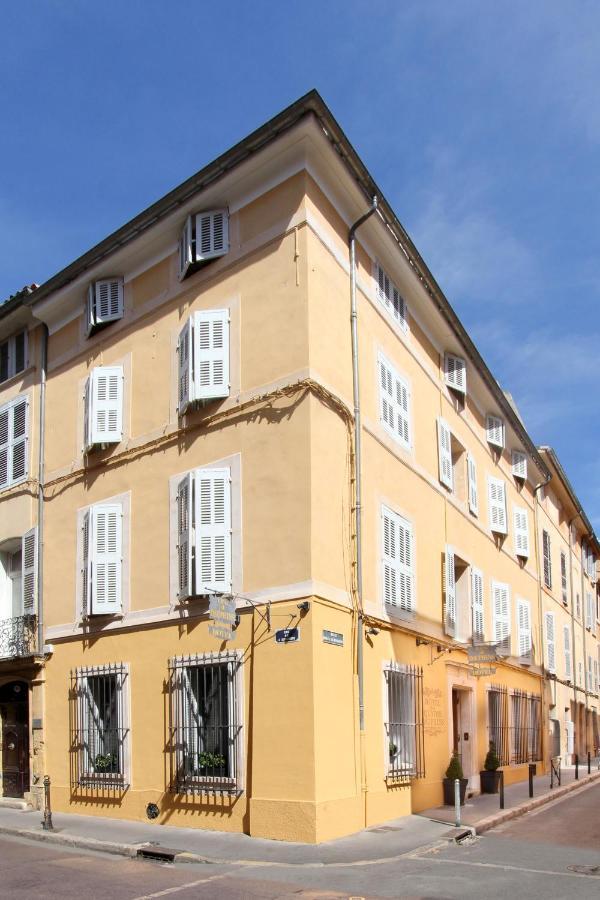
[14, 713]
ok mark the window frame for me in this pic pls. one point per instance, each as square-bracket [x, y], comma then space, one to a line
[410, 685]
[407, 570]
[399, 314]
[10, 344]
[459, 364]
[492, 424]
[11, 443]
[390, 398]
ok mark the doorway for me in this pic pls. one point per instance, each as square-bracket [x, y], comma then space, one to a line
[462, 738]
[14, 715]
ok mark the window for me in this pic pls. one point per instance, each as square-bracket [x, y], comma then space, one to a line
[103, 410]
[102, 555]
[458, 615]
[498, 729]
[580, 674]
[525, 727]
[14, 434]
[104, 303]
[397, 561]
[446, 472]
[550, 645]
[524, 627]
[391, 298]
[206, 720]
[13, 355]
[205, 236]
[577, 606]
[589, 610]
[472, 480]
[501, 616]
[596, 686]
[478, 624]
[18, 596]
[547, 559]
[455, 373]
[589, 676]
[497, 505]
[494, 429]
[519, 464]
[99, 727]
[204, 533]
[563, 577]
[394, 399]
[567, 650]
[521, 524]
[203, 362]
[404, 721]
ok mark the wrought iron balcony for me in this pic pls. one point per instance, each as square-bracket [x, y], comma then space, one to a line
[18, 636]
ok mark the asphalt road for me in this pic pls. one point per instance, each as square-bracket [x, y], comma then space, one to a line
[552, 853]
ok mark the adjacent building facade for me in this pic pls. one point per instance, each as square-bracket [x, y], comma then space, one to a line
[215, 440]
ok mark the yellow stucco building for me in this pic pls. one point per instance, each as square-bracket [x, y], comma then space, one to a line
[274, 542]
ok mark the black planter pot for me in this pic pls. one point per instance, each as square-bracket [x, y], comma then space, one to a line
[448, 784]
[490, 782]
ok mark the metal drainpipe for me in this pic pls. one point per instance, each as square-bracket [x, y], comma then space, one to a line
[536, 525]
[573, 641]
[40, 516]
[585, 666]
[358, 485]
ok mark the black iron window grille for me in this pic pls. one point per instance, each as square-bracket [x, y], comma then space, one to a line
[525, 727]
[99, 729]
[405, 750]
[205, 726]
[498, 727]
[18, 636]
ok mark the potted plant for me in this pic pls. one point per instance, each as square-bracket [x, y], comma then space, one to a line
[103, 762]
[490, 777]
[453, 772]
[211, 763]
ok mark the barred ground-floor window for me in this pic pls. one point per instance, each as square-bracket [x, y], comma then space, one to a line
[99, 726]
[498, 727]
[404, 721]
[525, 727]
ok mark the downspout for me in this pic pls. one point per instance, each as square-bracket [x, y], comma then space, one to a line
[40, 515]
[536, 489]
[357, 491]
[584, 619]
[574, 642]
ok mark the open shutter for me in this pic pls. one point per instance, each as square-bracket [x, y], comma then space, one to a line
[18, 450]
[477, 605]
[567, 649]
[550, 645]
[494, 428]
[107, 532]
[405, 576]
[212, 234]
[185, 248]
[211, 354]
[184, 537]
[212, 522]
[185, 351]
[497, 505]
[402, 411]
[449, 592]
[570, 736]
[445, 453]
[87, 555]
[519, 464]
[108, 299]
[472, 477]
[386, 394]
[588, 610]
[524, 623]
[547, 559]
[106, 412]
[29, 552]
[455, 372]
[521, 524]
[501, 607]
[5, 422]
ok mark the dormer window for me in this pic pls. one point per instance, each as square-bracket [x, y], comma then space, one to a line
[455, 373]
[13, 355]
[205, 236]
[104, 304]
[494, 431]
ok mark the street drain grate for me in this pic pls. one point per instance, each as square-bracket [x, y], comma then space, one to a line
[585, 870]
[384, 828]
[158, 853]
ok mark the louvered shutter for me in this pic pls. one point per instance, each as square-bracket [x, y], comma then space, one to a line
[107, 549]
[5, 429]
[596, 676]
[19, 437]
[185, 248]
[212, 234]
[589, 674]
[211, 354]
[108, 300]
[547, 559]
[494, 427]
[405, 570]
[567, 650]
[477, 605]
[449, 592]
[524, 624]
[588, 610]
[185, 352]
[105, 415]
[184, 537]
[563, 577]
[501, 607]
[87, 562]
[212, 522]
[550, 646]
[497, 505]
[519, 464]
[521, 524]
[570, 737]
[472, 477]
[391, 297]
[29, 552]
[386, 395]
[402, 411]
[455, 372]
[394, 403]
[397, 561]
[445, 453]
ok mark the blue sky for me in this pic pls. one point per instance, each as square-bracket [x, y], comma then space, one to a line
[479, 119]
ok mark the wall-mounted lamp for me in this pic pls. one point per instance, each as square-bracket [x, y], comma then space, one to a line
[373, 631]
[304, 606]
[238, 619]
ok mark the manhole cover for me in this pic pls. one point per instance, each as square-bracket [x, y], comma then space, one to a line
[585, 870]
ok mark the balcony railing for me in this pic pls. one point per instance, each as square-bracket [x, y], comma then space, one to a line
[18, 636]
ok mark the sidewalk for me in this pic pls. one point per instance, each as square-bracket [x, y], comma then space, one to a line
[483, 811]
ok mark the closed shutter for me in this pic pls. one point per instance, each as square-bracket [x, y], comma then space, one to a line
[212, 234]
[394, 403]
[106, 301]
[472, 477]
[589, 674]
[547, 559]
[397, 561]
[386, 395]
[185, 248]
[455, 372]
[596, 676]
[570, 737]
[445, 453]
[588, 610]
[391, 297]
[14, 434]
[212, 522]
[519, 464]
[184, 537]
[105, 411]
[477, 605]
[563, 577]
[106, 544]
[524, 623]
[521, 524]
[567, 650]
[501, 608]
[449, 592]
[550, 645]
[211, 354]
[497, 505]
[29, 552]
[494, 427]
[186, 391]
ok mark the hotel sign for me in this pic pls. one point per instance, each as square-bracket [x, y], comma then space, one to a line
[222, 615]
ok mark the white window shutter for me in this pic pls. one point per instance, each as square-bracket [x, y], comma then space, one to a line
[90, 308]
[386, 396]
[455, 372]
[449, 592]
[211, 354]
[519, 464]
[521, 525]
[567, 649]
[29, 552]
[477, 605]
[212, 523]
[184, 537]
[391, 297]
[185, 248]
[501, 609]
[107, 558]
[472, 477]
[445, 453]
[19, 442]
[108, 300]
[550, 644]
[494, 428]
[524, 626]
[497, 505]
[212, 234]
[105, 416]
[394, 403]
[397, 561]
[402, 411]
[87, 542]
[570, 737]
[185, 353]
[88, 414]
[588, 610]
[5, 431]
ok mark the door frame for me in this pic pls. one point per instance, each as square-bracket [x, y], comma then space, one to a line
[460, 681]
